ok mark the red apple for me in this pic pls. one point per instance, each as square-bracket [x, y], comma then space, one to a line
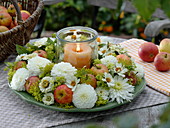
[63, 94]
[25, 15]
[30, 82]
[99, 69]
[5, 19]
[3, 9]
[3, 28]
[147, 51]
[132, 77]
[89, 79]
[165, 45]
[41, 53]
[124, 59]
[20, 64]
[162, 61]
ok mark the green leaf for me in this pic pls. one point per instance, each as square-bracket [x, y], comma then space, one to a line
[165, 7]
[20, 49]
[146, 8]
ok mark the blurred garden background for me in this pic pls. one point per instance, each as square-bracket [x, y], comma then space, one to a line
[113, 22]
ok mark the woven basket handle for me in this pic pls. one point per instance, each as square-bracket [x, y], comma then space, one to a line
[19, 19]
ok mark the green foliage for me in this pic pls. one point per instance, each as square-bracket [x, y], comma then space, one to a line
[146, 8]
[35, 92]
[68, 13]
[46, 70]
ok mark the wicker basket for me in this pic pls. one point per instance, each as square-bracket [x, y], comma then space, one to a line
[22, 32]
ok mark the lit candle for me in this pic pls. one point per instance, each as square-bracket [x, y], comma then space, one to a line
[78, 54]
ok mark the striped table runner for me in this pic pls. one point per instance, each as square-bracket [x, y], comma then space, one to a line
[160, 81]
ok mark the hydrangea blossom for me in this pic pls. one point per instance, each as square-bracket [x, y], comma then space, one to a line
[63, 69]
[84, 96]
[48, 99]
[121, 90]
[35, 64]
[46, 84]
[19, 79]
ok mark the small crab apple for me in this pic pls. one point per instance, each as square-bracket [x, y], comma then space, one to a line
[99, 69]
[89, 79]
[132, 77]
[124, 59]
[63, 94]
[41, 53]
[20, 64]
[30, 82]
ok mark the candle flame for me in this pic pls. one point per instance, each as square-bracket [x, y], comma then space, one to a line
[78, 48]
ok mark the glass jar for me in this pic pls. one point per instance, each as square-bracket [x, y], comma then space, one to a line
[77, 45]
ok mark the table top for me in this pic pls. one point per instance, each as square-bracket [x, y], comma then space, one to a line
[16, 112]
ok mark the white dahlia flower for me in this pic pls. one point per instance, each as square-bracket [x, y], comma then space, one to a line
[41, 42]
[19, 79]
[121, 90]
[63, 69]
[35, 64]
[48, 99]
[84, 96]
[108, 60]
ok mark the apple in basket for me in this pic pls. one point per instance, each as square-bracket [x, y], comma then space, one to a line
[164, 45]
[147, 51]
[25, 15]
[5, 19]
[13, 24]
[63, 94]
[41, 53]
[99, 69]
[3, 28]
[124, 59]
[30, 82]
[162, 61]
[11, 9]
[3, 9]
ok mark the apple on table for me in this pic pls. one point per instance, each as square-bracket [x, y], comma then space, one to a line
[147, 51]
[164, 45]
[162, 62]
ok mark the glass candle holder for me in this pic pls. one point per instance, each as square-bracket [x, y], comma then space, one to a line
[77, 45]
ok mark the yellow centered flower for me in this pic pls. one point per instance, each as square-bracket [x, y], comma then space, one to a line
[73, 83]
[118, 86]
[48, 98]
[118, 69]
[45, 83]
[104, 51]
[108, 80]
